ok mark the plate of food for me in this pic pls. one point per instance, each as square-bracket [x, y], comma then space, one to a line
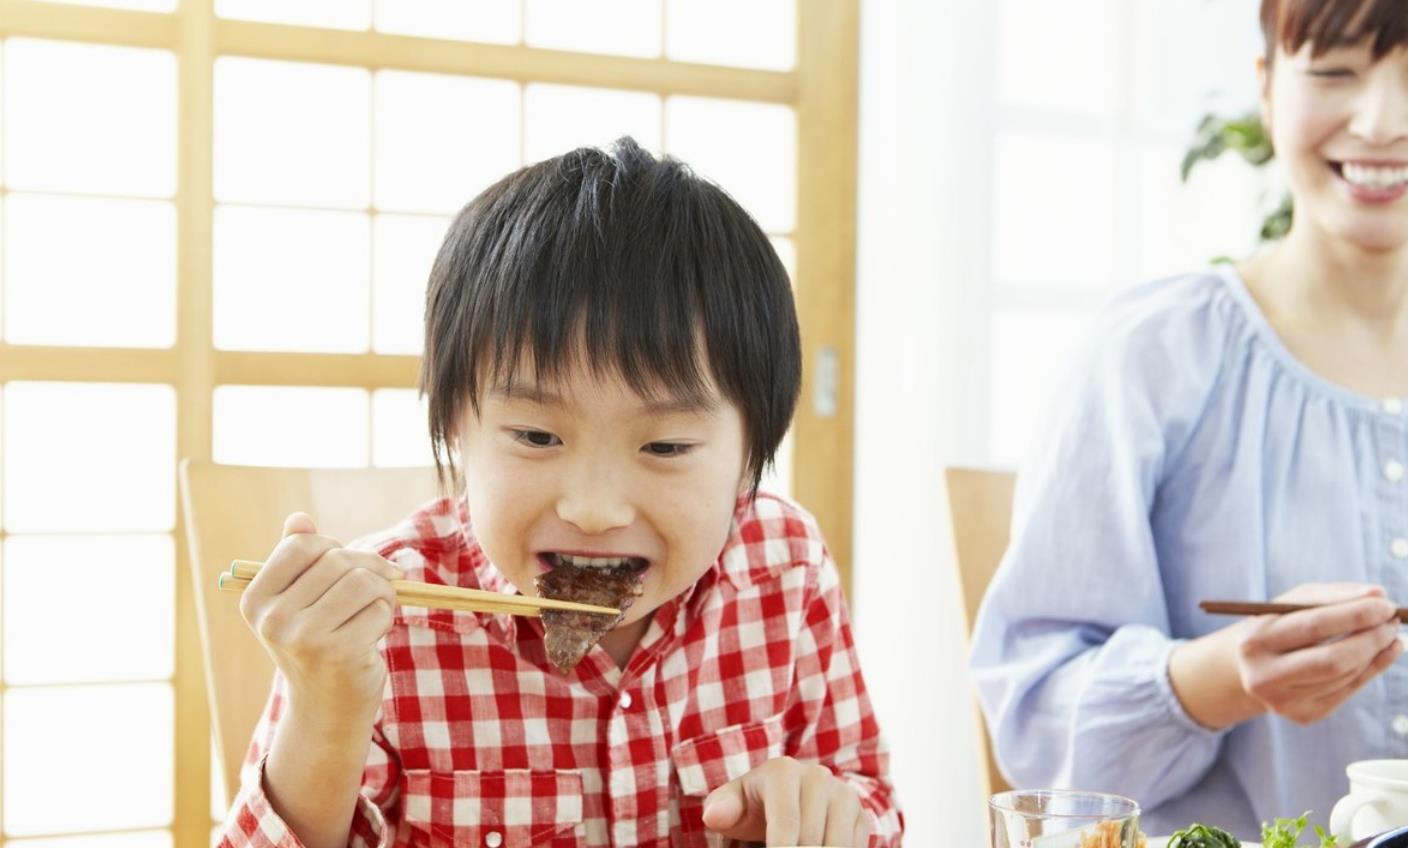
[1282, 833]
[1163, 843]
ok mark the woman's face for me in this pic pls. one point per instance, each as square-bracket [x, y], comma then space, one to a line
[1339, 123]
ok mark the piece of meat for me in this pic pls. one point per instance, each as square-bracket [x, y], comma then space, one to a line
[570, 635]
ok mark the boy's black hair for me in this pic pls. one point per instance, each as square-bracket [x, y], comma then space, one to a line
[634, 262]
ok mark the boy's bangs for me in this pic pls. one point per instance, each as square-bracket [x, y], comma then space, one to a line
[657, 366]
[1327, 24]
[606, 289]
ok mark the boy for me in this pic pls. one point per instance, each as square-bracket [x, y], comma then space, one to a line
[612, 355]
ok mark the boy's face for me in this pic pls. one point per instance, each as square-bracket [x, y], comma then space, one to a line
[585, 466]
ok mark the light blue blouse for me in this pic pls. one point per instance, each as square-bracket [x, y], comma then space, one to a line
[1190, 457]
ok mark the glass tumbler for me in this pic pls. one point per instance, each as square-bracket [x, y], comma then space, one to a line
[1057, 818]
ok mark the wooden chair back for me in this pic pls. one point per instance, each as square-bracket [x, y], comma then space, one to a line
[237, 512]
[980, 513]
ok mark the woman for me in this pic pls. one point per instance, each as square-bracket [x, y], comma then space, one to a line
[1234, 433]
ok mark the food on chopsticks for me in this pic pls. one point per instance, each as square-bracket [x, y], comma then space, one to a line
[569, 635]
[1282, 833]
[1109, 834]
[413, 593]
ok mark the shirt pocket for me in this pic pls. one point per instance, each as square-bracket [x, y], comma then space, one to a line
[705, 763]
[495, 809]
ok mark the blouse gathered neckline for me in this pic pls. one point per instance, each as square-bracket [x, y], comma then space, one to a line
[1267, 335]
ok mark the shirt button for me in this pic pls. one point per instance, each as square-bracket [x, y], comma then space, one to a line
[1399, 548]
[1400, 725]
[494, 839]
[1393, 406]
[626, 699]
[1393, 470]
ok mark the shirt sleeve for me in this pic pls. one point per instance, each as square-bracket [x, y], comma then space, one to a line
[252, 821]
[830, 703]
[1070, 649]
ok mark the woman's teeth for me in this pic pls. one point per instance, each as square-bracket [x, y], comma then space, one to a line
[1373, 176]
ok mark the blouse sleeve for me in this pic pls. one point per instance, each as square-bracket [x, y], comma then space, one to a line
[1070, 649]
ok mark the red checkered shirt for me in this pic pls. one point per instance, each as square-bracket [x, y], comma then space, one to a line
[479, 742]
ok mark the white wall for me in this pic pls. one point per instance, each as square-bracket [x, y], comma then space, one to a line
[927, 372]
[919, 157]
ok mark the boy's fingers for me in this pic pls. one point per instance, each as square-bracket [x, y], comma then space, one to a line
[762, 805]
[331, 568]
[724, 808]
[289, 560]
[369, 625]
[299, 522]
[348, 599]
[842, 815]
[861, 839]
[374, 563]
[816, 805]
[298, 549]
[781, 801]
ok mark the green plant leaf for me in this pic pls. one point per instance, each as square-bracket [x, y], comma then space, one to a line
[1285, 833]
[1247, 137]
[1278, 223]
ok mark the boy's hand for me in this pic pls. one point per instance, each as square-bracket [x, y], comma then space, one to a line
[320, 610]
[785, 802]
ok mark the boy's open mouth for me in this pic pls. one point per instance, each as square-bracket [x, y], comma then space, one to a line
[603, 581]
[551, 559]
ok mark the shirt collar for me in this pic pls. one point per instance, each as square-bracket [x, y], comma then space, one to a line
[759, 545]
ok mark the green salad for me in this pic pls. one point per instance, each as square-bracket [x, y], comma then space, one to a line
[1283, 833]
[1203, 836]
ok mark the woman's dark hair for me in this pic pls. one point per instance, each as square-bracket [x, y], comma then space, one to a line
[1327, 24]
[629, 261]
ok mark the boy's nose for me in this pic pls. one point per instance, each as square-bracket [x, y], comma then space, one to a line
[594, 504]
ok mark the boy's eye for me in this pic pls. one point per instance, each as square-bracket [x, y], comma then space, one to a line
[667, 449]
[536, 438]
[1331, 73]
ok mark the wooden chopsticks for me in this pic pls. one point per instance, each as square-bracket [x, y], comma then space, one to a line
[413, 593]
[1255, 608]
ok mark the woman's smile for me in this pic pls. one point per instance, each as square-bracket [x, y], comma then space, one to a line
[1372, 181]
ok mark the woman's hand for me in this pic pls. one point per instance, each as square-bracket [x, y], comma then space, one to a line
[320, 610]
[1301, 665]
